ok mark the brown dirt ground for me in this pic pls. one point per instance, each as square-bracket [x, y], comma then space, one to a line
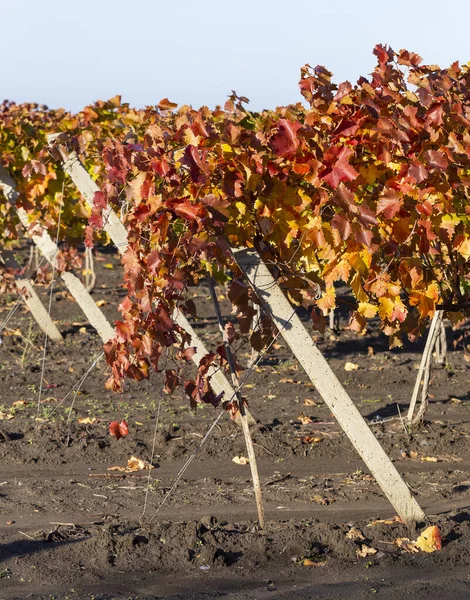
[70, 528]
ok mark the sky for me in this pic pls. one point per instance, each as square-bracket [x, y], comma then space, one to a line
[69, 53]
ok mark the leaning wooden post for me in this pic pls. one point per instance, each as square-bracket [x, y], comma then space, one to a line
[32, 301]
[328, 386]
[425, 365]
[49, 250]
[118, 235]
[241, 407]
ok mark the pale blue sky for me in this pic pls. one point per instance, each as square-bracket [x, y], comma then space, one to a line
[71, 52]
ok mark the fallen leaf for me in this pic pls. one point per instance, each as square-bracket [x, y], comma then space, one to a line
[108, 266]
[304, 419]
[349, 366]
[100, 303]
[429, 459]
[118, 429]
[365, 550]
[5, 416]
[19, 403]
[310, 439]
[137, 464]
[82, 330]
[309, 402]
[87, 420]
[133, 464]
[355, 534]
[406, 544]
[430, 540]
[240, 460]
[382, 522]
[307, 562]
[456, 401]
[370, 351]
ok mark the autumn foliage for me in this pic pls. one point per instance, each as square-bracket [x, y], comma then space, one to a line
[367, 184]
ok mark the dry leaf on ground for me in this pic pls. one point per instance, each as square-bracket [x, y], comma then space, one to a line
[87, 420]
[118, 429]
[309, 439]
[304, 419]
[240, 460]
[365, 550]
[350, 366]
[309, 402]
[429, 541]
[19, 403]
[307, 562]
[355, 534]
[5, 416]
[133, 464]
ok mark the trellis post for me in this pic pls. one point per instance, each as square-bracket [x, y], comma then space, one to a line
[31, 299]
[328, 385]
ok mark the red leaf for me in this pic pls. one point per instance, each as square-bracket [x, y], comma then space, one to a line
[100, 200]
[285, 141]
[340, 223]
[341, 170]
[187, 210]
[418, 172]
[118, 429]
[389, 203]
[171, 381]
[437, 159]
[409, 58]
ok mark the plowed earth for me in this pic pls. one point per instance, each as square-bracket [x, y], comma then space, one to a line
[72, 528]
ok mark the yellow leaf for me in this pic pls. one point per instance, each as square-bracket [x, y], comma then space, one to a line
[307, 562]
[240, 460]
[350, 366]
[19, 403]
[355, 534]
[430, 540]
[385, 307]
[137, 464]
[101, 303]
[364, 551]
[87, 420]
[309, 402]
[327, 301]
[108, 266]
[133, 464]
[226, 147]
[367, 310]
[304, 419]
[241, 207]
[464, 249]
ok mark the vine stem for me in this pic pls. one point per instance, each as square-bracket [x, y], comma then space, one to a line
[244, 419]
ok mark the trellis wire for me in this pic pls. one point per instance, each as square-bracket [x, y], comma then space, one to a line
[212, 427]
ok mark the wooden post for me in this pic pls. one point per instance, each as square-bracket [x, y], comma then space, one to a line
[328, 386]
[49, 250]
[241, 407]
[32, 301]
[425, 364]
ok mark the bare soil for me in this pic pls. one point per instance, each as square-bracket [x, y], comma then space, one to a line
[71, 528]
